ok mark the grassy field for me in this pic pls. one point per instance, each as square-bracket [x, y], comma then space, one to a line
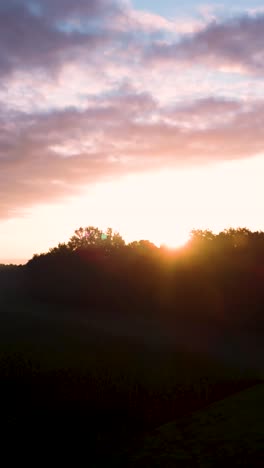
[98, 383]
[229, 431]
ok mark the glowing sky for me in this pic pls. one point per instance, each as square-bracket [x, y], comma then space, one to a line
[146, 116]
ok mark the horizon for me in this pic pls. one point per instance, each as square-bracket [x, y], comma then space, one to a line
[143, 116]
[170, 247]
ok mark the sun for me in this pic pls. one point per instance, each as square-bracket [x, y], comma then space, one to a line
[172, 238]
[174, 246]
[176, 243]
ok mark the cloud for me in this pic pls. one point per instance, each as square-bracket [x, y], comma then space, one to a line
[233, 45]
[47, 35]
[97, 120]
[52, 155]
[51, 34]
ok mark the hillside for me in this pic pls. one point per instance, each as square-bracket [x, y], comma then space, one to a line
[231, 430]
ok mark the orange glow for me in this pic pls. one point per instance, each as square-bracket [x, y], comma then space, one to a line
[175, 245]
[162, 207]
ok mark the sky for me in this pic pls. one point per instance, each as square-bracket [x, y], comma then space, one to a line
[145, 116]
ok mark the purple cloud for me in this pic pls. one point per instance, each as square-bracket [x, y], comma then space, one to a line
[47, 155]
[47, 34]
[40, 38]
[236, 44]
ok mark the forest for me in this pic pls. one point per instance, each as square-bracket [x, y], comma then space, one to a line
[110, 340]
[214, 278]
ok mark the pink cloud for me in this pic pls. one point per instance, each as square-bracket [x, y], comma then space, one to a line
[103, 127]
[235, 44]
[122, 133]
[59, 32]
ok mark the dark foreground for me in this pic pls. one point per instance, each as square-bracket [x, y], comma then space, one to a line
[230, 431]
[103, 344]
[88, 392]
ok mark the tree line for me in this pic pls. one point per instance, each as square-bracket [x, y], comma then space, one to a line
[214, 277]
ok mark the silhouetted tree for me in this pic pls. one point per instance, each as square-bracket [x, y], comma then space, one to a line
[216, 277]
[91, 236]
[85, 237]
